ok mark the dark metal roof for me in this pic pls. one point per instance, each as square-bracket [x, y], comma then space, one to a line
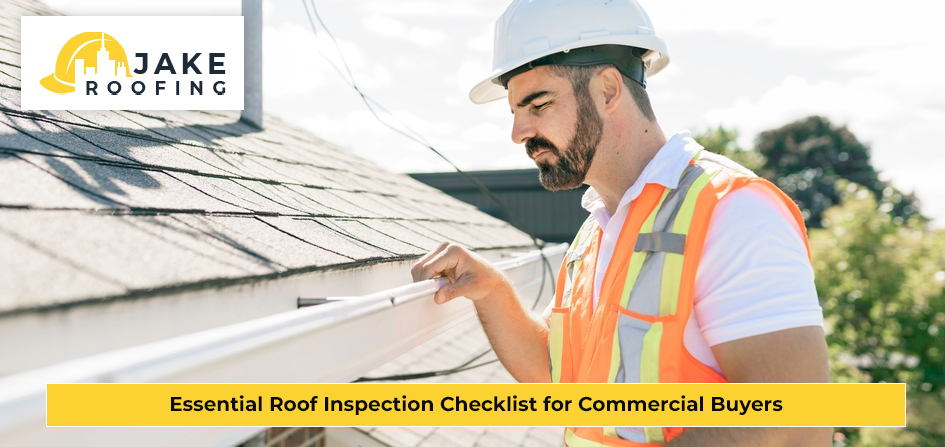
[551, 216]
[510, 179]
[106, 205]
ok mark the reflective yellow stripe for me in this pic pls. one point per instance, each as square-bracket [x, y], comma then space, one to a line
[614, 358]
[569, 282]
[684, 216]
[650, 371]
[573, 257]
[555, 345]
[650, 358]
[583, 233]
[637, 258]
[669, 290]
[673, 264]
[573, 440]
[654, 434]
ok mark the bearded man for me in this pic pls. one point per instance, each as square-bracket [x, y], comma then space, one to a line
[690, 269]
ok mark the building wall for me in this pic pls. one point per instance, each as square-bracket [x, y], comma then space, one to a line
[551, 216]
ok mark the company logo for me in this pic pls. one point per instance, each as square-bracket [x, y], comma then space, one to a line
[84, 55]
[160, 63]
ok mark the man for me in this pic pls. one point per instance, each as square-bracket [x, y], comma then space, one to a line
[690, 269]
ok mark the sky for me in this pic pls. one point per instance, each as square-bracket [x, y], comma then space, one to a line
[745, 64]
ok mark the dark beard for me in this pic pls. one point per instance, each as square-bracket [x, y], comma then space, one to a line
[571, 166]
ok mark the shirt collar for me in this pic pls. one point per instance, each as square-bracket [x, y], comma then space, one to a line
[665, 168]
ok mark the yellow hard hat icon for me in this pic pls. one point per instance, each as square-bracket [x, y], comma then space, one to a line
[85, 46]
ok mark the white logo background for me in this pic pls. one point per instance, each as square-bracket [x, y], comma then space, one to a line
[43, 37]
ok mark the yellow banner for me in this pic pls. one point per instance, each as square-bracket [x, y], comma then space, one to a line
[683, 405]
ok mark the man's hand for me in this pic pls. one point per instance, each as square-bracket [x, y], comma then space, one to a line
[469, 275]
[519, 338]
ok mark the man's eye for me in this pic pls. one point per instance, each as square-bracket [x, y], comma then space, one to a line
[540, 106]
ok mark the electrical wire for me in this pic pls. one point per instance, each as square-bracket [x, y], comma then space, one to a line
[408, 132]
[456, 369]
[445, 372]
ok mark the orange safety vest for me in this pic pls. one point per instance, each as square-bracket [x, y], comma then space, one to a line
[635, 333]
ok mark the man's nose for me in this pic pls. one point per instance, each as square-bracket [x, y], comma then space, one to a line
[522, 129]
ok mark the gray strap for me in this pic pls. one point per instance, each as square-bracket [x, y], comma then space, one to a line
[666, 215]
[666, 242]
[645, 295]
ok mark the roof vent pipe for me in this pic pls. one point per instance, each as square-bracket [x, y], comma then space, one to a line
[252, 63]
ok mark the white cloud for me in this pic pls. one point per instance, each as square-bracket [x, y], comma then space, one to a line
[904, 135]
[436, 8]
[424, 126]
[388, 27]
[797, 97]
[468, 73]
[292, 64]
[925, 181]
[672, 71]
[483, 43]
[381, 76]
[286, 70]
[384, 26]
[353, 54]
[367, 137]
[486, 133]
[808, 24]
[427, 36]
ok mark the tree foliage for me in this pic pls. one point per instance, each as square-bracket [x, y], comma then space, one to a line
[879, 268]
[882, 286]
[725, 142]
[806, 158]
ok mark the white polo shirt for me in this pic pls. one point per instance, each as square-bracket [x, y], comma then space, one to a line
[754, 276]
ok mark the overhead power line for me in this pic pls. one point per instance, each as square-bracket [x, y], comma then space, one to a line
[373, 106]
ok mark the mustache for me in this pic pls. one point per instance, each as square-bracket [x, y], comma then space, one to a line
[538, 143]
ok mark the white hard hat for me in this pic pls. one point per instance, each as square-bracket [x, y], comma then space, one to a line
[533, 29]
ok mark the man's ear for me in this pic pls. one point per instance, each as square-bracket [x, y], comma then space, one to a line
[611, 88]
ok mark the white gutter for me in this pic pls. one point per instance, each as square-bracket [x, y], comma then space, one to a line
[292, 347]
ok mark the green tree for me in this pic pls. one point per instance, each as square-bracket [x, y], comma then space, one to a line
[881, 282]
[806, 158]
[721, 140]
[879, 268]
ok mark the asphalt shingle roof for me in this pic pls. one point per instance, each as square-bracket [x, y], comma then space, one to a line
[450, 349]
[107, 204]
[102, 205]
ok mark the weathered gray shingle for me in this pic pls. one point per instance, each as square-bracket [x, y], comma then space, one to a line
[450, 349]
[104, 204]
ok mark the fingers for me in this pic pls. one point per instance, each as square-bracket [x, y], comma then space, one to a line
[464, 285]
[445, 294]
[469, 276]
[417, 270]
[450, 262]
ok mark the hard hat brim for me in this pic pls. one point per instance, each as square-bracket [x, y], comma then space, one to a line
[52, 84]
[656, 59]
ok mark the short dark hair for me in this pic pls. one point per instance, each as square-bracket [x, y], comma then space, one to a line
[580, 77]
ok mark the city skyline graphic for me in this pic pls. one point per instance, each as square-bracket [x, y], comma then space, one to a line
[86, 55]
